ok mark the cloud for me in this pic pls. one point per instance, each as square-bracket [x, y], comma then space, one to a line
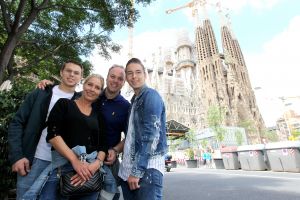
[278, 63]
[145, 45]
[276, 70]
[237, 6]
[154, 8]
[232, 6]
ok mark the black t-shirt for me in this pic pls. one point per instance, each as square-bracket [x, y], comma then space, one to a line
[76, 128]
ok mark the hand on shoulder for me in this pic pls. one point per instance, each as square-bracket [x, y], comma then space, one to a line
[43, 84]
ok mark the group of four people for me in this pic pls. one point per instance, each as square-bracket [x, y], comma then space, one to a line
[94, 120]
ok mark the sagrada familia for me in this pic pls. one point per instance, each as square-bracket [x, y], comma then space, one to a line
[198, 76]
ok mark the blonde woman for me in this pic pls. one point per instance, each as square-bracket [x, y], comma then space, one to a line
[72, 124]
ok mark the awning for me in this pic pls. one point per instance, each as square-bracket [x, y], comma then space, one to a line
[175, 128]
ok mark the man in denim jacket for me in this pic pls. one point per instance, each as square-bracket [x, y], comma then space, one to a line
[143, 164]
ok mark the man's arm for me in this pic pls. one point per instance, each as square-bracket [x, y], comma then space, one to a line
[113, 153]
[15, 135]
[150, 133]
[43, 84]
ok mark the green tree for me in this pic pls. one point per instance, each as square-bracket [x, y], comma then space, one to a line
[238, 137]
[204, 143]
[249, 127]
[271, 136]
[9, 103]
[215, 117]
[45, 30]
[191, 138]
[174, 143]
[193, 143]
[296, 133]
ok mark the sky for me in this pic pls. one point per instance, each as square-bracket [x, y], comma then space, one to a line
[268, 32]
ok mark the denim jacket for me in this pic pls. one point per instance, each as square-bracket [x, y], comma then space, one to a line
[149, 129]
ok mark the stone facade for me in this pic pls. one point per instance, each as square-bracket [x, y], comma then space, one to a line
[197, 76]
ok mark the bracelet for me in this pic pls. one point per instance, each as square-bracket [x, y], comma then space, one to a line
[101, 162]
[115, 150]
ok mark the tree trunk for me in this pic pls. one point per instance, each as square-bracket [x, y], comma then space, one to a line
[10, 68]
[6, 54]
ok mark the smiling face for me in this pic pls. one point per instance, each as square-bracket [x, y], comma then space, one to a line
[135, 76]
[71, 74]
[92, 87]
[115, 80]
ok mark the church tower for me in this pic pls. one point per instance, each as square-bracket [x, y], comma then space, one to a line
[193, 77]
[240, 94]
[224, 78]
[211, 68]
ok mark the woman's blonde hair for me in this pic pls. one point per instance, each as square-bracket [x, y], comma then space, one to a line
[95, 76]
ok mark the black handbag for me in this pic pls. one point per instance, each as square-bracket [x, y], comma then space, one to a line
[94, 184]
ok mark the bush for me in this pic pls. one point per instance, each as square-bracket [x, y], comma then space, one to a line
[9, 103]
[190, 154]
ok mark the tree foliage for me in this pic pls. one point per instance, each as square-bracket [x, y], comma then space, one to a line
[9, 103]
[190, 153]
[248, 125]
[238, 137]
[295, 135]
[250, 128]
[204, 144]
[270, 136]
[193, 143]
[215, 117]
[45, 33]
[174, 143]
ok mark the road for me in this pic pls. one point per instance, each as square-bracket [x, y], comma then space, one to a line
[217, 184]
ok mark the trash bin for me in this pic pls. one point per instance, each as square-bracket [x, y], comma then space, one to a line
[252, 157]
[173, 163]
[217, 158]
[284, 156]
[230, 157]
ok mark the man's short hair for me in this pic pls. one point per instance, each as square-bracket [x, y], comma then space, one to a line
[71, 61]
[136, 61]
[115, 66]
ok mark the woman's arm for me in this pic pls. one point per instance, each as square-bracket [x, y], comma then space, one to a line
[82, 168]
[98, 162]
[93, 167]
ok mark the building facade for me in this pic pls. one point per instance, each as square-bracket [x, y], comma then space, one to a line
[196, 76]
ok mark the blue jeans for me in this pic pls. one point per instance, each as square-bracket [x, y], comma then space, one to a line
[151, 185]
[25, 182]
[50, 190]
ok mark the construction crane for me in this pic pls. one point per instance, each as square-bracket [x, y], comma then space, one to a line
[130, 32]
[190, 4]
[194, 5]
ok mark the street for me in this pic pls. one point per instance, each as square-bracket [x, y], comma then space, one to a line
[218, 184]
